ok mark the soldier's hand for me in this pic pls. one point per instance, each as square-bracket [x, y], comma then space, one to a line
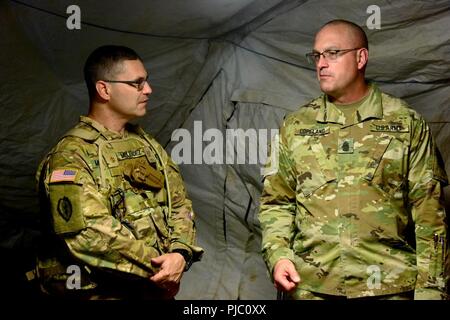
[171, 267]
[285, 276]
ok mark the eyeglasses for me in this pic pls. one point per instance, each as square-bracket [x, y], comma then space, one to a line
[329, 55]
[138, 84]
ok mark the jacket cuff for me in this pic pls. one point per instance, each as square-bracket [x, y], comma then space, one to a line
[429, 294]
[277, 255]
[195, 253]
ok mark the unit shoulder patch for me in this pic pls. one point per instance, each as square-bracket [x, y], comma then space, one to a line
[65, 208]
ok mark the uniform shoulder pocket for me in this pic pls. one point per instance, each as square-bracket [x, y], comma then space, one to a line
[65, 200]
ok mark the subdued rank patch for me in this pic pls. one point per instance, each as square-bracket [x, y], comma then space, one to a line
[345, 145]
[389, 127]
[313, 132]
[61, 175]
[65, 208]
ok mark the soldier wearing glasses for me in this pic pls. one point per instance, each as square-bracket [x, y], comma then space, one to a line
[356, 207]
[114, 205]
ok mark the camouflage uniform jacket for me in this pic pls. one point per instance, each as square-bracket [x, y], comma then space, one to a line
[116, 201]
[357, 204]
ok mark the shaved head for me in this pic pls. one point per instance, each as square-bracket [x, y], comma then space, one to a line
[342, 50]
[354, 32]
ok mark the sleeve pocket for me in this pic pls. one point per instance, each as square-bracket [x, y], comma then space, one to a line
[66, 208]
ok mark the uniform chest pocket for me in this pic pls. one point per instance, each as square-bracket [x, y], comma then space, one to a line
[151, 227]
[385, 156]
[315, 166]
[144, 217]
[143, 229]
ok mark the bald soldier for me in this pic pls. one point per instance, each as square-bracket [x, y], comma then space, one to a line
[356, 206]
[117, 223]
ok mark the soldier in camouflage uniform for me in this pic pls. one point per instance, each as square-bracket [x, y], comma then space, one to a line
[116, 219]
[355, 208]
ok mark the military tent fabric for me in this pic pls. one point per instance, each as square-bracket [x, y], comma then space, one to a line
[221, 66]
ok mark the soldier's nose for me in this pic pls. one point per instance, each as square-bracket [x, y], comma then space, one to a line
[147, 88]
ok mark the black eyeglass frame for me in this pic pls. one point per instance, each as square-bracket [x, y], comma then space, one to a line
[314, 56]
[138, 84]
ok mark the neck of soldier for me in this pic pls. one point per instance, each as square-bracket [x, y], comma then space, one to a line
[355, 92]
[107, 117]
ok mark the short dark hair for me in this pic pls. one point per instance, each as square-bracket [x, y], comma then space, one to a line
[103, 63]
[357, 30]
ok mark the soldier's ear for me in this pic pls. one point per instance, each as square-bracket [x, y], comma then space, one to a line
[102, 89]
[363, 57]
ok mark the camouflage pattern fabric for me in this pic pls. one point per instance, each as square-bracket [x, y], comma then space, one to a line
[308, 295]
[357, 201]
[116, 201]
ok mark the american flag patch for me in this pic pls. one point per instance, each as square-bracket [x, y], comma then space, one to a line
[63, 175]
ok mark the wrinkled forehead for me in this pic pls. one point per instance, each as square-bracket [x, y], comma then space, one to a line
[335, 37]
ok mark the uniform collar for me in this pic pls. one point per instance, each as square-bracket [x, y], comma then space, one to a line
[108, 134]
[370, 108]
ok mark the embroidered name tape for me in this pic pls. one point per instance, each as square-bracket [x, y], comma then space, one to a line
[312, 132]
[389, 127]
[130, 154]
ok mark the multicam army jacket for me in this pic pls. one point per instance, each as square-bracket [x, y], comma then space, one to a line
[116, 201]
[356, 204]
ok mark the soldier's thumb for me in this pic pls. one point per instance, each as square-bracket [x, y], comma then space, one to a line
[157, 261]
[294, 275]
